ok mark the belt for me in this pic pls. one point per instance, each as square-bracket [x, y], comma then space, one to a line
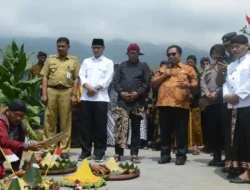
[59, 87]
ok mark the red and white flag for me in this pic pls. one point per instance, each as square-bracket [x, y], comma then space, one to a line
[9, 155]
[248, 21]
[58, 151]
[33, 165]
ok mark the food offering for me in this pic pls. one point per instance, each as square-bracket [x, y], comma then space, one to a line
[83, 178]
[30, 179]
[58, 166]
[112, 171]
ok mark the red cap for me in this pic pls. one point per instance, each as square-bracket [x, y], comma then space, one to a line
[134, 47]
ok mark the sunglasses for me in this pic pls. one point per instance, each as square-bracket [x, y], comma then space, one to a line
[173, 54]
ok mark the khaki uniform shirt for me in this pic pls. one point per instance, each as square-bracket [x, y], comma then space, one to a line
[61, 70]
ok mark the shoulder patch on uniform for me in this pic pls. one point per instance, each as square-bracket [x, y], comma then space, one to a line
[72, 57]
[52, 56]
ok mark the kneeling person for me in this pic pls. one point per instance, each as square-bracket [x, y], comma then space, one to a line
[13, 131]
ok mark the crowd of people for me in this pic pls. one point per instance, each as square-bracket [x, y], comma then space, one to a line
[127, 105]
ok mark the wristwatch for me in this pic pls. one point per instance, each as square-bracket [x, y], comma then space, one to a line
[26, 147]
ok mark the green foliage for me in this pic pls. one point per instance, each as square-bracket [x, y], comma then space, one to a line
[128, 168]
[63, 165]
[32, 175]
[97, 185]
[245, 31]
[14, 68]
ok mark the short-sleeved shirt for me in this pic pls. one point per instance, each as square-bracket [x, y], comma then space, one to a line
[35, 71]
[61, 70]
[171, 95]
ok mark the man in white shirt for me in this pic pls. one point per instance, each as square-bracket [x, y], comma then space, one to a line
[236, 91]
[96, 74]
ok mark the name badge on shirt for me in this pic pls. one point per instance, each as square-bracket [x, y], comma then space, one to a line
[68, 75]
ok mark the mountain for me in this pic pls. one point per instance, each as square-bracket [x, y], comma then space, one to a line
[115, 49]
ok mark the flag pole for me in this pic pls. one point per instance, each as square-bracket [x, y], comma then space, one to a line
[9, 164]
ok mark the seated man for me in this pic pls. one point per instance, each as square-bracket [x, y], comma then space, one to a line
[13, 131]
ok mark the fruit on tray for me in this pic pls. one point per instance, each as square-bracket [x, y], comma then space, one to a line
[100, 170]
[83, 177]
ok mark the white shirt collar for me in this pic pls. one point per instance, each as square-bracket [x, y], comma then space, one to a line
[239, 60]
[99, 58]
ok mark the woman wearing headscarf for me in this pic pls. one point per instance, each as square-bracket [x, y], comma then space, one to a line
[212, 94]
[194, 127]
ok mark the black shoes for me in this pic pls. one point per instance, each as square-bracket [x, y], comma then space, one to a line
[82, 157]
[64, 156]
[164, 160]
[216, 163]
[232, 175]
[180, 161]
[239, 180]
[99, 159]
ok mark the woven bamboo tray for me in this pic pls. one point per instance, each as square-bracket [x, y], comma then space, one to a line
[123, 176]
[59, 172]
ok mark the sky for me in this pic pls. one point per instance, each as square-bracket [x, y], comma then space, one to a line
[198, 23]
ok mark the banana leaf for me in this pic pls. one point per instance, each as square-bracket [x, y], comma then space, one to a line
[54, 167]
[19, 68]
[9, 51]
[126, 166]
[14, 46]
[10, 90]
[116, 173]
[30, 132]
[15, 65]
[28, 84]
[4, 100]
[61, 167]
[4, 71]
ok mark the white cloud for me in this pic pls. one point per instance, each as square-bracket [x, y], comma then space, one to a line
[197, 22]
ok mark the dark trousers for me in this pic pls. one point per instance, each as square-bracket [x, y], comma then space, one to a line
[94, 120]
[226, 122]
[174, 119]
[135, 137]
[238, 153]
[204, 128]
[215, 129]
[150, 129]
